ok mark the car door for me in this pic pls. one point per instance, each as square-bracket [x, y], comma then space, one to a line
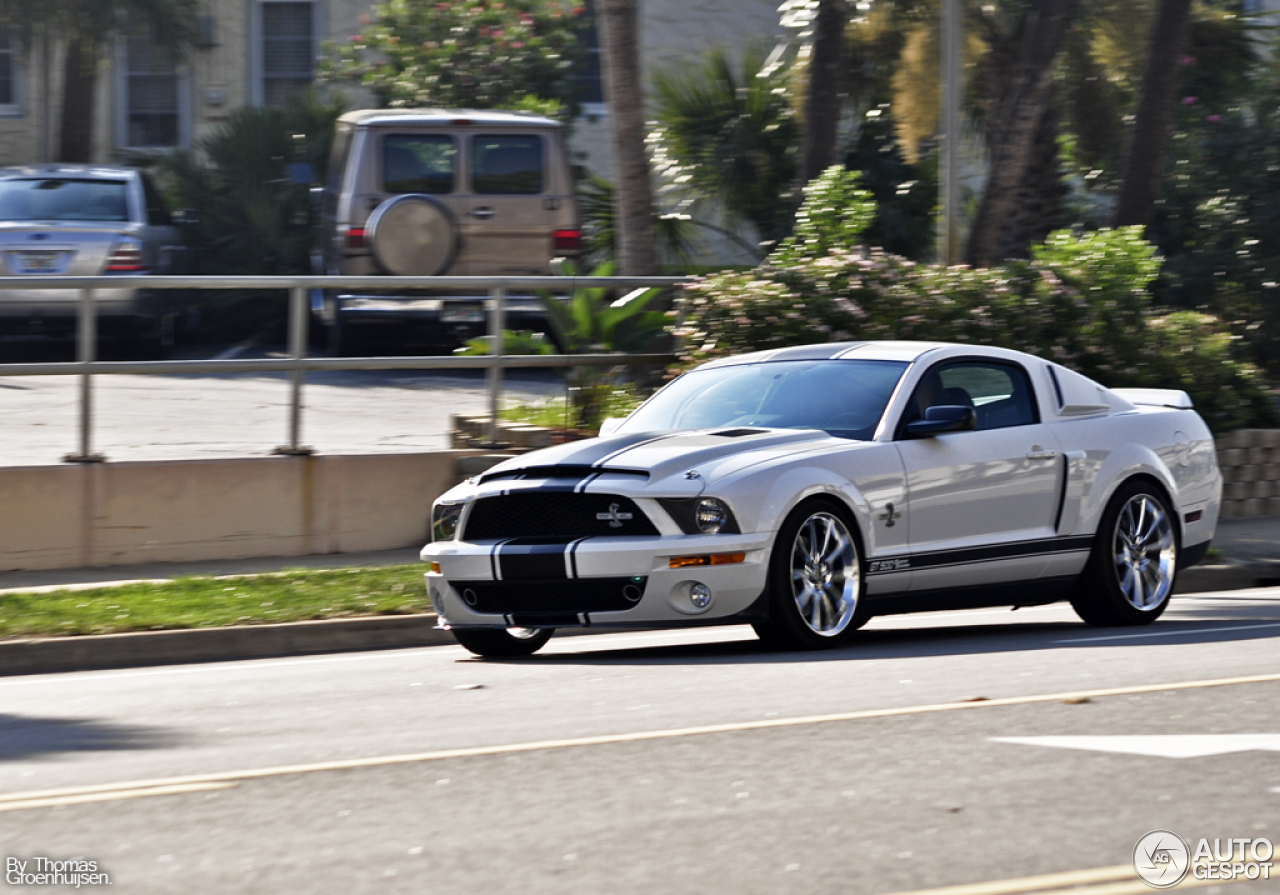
[983, 503]
[506, 229]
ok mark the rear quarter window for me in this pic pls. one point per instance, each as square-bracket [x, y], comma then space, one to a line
[507, 164]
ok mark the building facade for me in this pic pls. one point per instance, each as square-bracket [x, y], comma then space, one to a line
[256, 52]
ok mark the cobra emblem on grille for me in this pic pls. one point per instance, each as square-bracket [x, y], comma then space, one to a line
[613, 517]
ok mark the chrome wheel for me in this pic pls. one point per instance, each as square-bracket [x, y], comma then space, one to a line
[1145, 552]
[825, 579]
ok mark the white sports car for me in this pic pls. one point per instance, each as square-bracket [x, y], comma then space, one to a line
[807, 489]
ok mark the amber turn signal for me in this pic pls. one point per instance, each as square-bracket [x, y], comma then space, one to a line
[712, 559]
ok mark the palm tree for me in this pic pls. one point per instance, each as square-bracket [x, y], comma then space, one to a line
[824, 97]
[87, 27]
[620, 59]
[1153, 122]
[730, 134]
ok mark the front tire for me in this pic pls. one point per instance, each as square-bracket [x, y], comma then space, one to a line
[503, 643]
[815, 580]
[1134, 565]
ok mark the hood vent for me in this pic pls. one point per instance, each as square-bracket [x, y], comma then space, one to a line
[738, 433]
[575, 472]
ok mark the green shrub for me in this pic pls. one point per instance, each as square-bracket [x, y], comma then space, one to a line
[1081, 301]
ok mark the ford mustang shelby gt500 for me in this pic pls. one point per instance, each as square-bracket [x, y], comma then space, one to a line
[804, 490]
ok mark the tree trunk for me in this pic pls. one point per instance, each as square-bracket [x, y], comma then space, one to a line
[825, 94]
[1037, 207]
[1153, 122]
[1015, 119]
[620, 59]
[80, 73]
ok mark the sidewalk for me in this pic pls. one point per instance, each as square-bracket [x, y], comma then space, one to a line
[1246, 554]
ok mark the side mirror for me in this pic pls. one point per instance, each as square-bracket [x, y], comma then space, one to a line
[610, 425]
[943, 418]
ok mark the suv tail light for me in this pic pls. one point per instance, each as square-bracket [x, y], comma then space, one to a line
[354, 240]
[568, 240]
[126, 257]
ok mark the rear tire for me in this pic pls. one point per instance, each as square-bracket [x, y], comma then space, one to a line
[503, 643]
[1134, 564]
[815, 580]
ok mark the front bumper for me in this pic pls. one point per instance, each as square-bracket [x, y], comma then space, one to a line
[619, 582]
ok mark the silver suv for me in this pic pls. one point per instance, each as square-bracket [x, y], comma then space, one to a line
[87, 220]
[426, 192]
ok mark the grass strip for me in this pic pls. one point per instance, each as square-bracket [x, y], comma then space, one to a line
[210, 602]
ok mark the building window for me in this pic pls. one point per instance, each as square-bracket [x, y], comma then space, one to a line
[151, 89]
[8, 71]
[588, 74]
[288, 50]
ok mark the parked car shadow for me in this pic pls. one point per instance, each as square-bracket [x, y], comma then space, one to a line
[24, 736]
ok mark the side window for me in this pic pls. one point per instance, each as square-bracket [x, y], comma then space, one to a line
[1000, 394]
[509, 165]
[418, 163]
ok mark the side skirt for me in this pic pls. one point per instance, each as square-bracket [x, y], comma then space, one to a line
[1035, 592]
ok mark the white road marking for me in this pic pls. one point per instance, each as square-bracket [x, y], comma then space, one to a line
[1160, 746]
[1169, 633]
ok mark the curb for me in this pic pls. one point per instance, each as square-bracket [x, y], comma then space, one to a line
[43, 655]
[46, 655]
[1228, 576]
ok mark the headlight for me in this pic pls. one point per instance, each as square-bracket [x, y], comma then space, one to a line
[444, 521]
[710, 515]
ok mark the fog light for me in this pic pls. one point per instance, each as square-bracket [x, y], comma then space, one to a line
[700, 595]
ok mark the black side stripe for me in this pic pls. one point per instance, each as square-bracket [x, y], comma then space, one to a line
[970, 555]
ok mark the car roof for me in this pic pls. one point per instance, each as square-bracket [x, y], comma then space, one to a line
[440, 117]
[908, 352]
[62, 169]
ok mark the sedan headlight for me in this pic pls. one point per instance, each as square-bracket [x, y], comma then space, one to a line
[444, 521]
[710, 515]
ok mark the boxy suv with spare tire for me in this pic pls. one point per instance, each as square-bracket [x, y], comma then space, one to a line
[439, 192]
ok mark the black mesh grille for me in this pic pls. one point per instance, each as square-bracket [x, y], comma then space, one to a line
[561, 514]
[574, 596]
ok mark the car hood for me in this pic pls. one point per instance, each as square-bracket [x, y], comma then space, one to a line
[663, 458]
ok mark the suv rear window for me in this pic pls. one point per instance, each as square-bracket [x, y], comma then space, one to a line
[506, 164]
[418, 163]
[56, 199]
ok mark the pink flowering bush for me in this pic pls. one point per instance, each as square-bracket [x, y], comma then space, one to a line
[1081, 301]
[464, 53]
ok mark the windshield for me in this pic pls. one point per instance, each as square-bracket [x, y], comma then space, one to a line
[845, 398]
[53, 199]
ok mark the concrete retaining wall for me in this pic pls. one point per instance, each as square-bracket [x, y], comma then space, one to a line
[105, 514]
[1250, 463]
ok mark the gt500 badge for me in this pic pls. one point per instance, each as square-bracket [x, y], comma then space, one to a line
[888, 565]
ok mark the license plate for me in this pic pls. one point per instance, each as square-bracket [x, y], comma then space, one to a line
[462, 313]
[39, 262]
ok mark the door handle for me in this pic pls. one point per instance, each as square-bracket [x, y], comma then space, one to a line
[483, 213]
[1039, 453]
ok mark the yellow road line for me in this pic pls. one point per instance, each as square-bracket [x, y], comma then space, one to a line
[635, 737]
[1036, 883]
[11, 803]
[1122, 880]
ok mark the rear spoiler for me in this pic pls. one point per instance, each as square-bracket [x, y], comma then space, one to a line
[1155, 397]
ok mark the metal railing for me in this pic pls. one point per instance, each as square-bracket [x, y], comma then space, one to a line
[299, 362]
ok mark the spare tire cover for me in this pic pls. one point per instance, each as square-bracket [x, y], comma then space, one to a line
[412, 236]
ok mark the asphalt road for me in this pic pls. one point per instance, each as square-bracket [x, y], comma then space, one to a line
[244, 415]
[690, 761]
